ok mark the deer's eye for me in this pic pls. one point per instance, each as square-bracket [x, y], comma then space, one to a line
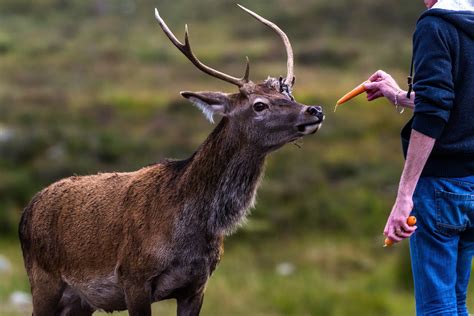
[259, 106]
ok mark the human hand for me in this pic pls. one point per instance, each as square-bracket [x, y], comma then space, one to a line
[381, 84]
[397, 227]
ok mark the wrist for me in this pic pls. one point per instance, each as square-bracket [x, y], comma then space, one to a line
[404, 101]
[397, 98]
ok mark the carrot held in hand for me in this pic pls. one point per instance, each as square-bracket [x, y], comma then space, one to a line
[351, 94]
[411, 221]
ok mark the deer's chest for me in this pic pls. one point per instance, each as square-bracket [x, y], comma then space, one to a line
[188, 271]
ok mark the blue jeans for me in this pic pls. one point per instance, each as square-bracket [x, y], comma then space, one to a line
[442, 247]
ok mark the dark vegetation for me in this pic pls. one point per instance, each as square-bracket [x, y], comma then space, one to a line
[90, 86]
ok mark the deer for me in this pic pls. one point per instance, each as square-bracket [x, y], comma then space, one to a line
[122, 241]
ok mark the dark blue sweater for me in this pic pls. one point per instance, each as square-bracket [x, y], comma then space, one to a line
[443, 52]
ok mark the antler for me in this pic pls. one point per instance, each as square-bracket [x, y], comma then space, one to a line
[289, 51]
[186, 50]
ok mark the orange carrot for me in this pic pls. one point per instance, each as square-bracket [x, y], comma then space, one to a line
[411, 221]
[351, 94]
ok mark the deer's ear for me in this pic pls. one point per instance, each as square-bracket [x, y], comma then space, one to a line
[210, 103]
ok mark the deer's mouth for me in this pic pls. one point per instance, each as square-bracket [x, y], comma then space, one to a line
[311, 127]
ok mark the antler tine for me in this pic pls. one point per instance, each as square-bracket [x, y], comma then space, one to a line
[187, 51]
[289, 51]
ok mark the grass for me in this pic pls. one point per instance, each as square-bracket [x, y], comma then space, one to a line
[331, 277]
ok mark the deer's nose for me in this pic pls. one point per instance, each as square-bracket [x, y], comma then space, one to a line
[315, 111]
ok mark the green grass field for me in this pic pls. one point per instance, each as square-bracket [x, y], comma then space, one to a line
[330, 277]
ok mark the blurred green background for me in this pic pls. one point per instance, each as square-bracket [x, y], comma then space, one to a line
[89, 86]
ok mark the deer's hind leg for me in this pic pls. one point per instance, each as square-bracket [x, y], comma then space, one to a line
[47, 290]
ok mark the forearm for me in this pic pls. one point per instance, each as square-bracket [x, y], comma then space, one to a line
[418, 152]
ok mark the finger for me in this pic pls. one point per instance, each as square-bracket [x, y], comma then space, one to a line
[386, 228]
[410, 233]
[395, 237]
[379, 74]
[372, 85]
[407, 227]
[404, 234]
[392, 235]
[413, 231]
[399, 232]
[371, 91]
[382, 74]
[410, 229]
[375, 76]
[374, 96]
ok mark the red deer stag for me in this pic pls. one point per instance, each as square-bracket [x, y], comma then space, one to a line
[121, 241]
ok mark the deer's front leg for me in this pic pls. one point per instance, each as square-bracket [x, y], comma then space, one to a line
[138, 299]
[190, 306]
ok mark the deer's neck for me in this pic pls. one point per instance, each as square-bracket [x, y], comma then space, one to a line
[221, 179]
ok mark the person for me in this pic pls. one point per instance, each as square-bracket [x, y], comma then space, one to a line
[437, 182]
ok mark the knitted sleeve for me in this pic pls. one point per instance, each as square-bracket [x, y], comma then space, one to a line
[433, 82]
